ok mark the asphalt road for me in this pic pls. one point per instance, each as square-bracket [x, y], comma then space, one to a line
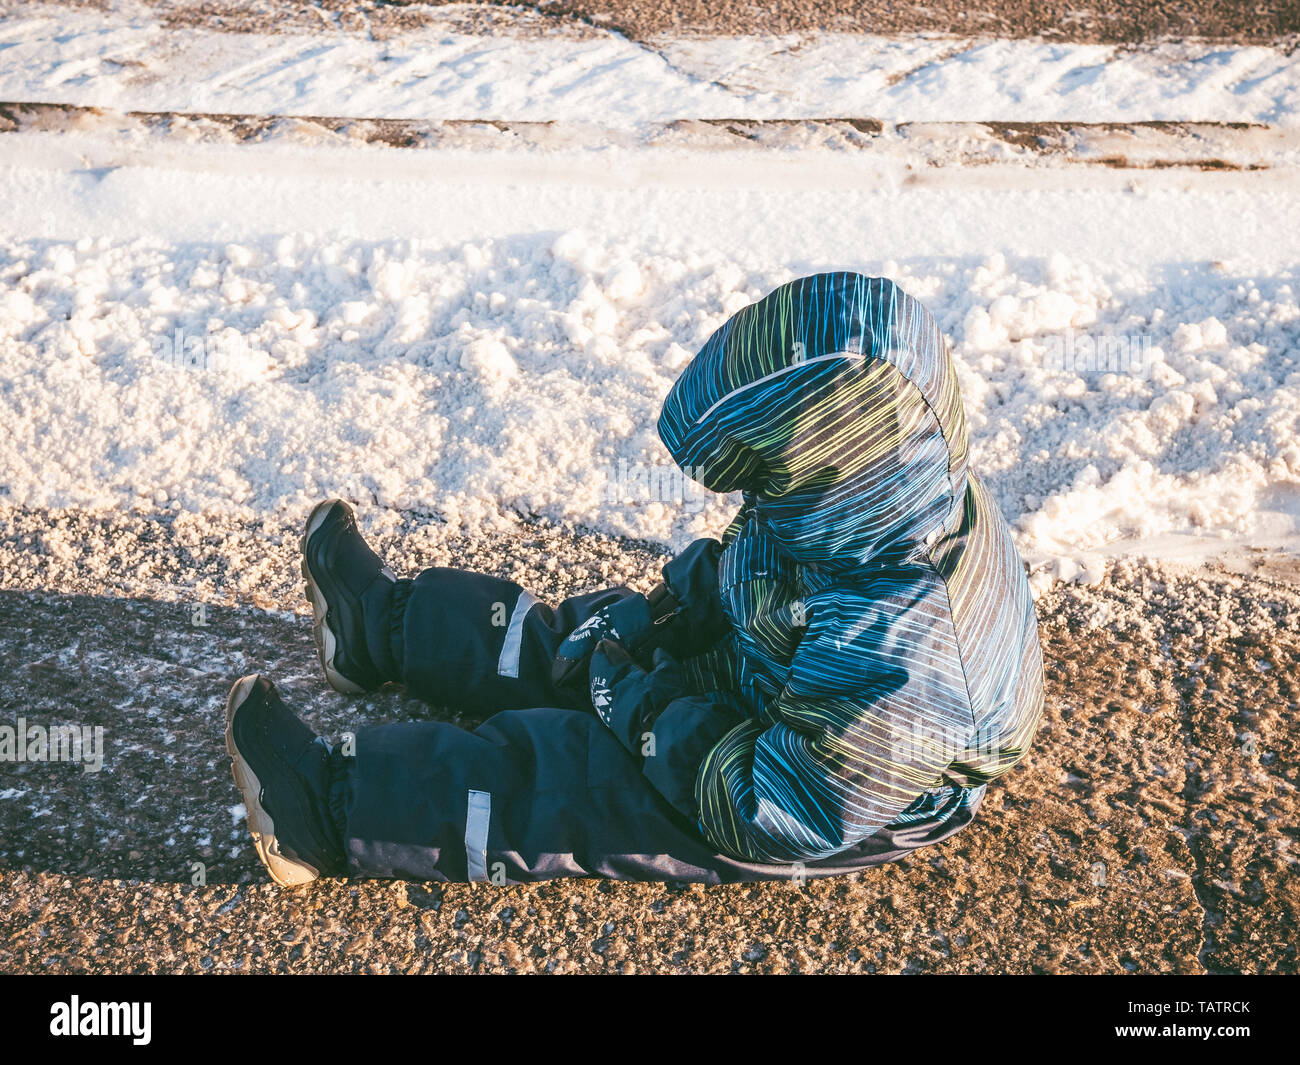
[1151, 829]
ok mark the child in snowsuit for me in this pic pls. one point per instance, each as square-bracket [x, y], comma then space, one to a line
[830, 685]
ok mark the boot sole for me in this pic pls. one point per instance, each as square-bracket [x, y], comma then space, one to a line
[284, 871]
[326, 644]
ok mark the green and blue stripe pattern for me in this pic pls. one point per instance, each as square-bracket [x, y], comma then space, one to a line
[885, 635]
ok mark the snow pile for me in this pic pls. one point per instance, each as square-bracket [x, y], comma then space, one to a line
[1151, 405]
[96, 59]
[241, 329]
[480, 382]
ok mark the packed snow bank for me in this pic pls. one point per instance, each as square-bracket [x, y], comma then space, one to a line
[759, 205]
[57, 55]
[480, 381]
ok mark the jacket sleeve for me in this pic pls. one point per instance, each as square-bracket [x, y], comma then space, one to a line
[666, 729]
[783, 793]
[664, 723]
[875, 708]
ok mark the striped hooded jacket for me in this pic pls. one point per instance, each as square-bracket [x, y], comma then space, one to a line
[883, 651]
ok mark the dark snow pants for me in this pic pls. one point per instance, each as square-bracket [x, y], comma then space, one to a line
[541, 789]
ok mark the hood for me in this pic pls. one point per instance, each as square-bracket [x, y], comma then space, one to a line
[833, 405]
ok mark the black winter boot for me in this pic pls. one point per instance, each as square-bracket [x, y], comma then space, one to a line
[342, 573]
[283, 770]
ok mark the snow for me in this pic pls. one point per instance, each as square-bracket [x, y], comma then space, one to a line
[482, 380]
[132, 62]
[478, 336]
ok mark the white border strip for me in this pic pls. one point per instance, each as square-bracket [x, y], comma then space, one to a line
[478, 817]
[508, 662]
